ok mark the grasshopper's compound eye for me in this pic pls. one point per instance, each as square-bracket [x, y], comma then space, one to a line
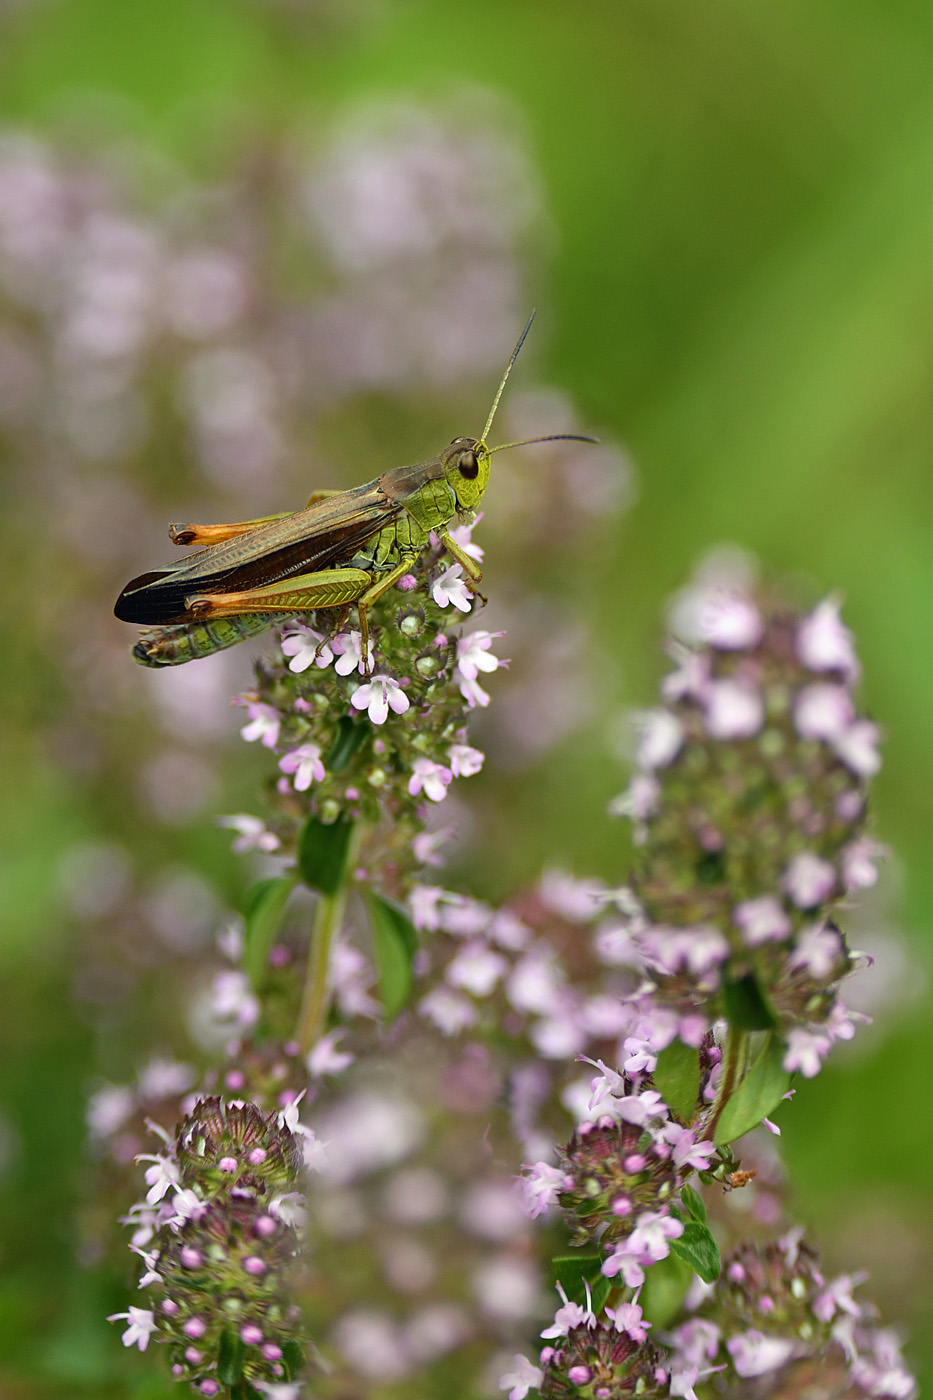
[468, 465]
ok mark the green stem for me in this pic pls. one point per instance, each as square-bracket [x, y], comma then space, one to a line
[734, 1065]
[328, 917]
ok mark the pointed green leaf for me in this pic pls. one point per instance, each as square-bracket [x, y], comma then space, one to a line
[395, 943]
[230, 1355]
[746, 1007]
[575, 1271]
[697, 1247]
[322, 854]
[293, 1359]
[264, 907]
[759, 1094]
[677, 1079]
[693, 1202]
[350, 736]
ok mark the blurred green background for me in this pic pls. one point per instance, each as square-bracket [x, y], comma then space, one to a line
[731, 247]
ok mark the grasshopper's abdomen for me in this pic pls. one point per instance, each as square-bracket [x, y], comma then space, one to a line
[171, 646]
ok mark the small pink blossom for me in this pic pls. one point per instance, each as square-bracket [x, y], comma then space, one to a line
[824, 644]
[474, 655]
[858, 748]
[142, 1326]
[476, 969]
[252, 834]
[348, 649]
[539, 1187]
[806, 1051]
[523, 1377]
[449, 1011]
[809, 880]
[264, 724]
[857, 862]
[734, 710]
[464, 761]
[728, 621]
[305, 764]
[823, 711]
[700, 949]
[306, 648]
[451, 590]
[754, 1354]
[628, 1318]
[660, 738]
[378, 696]
[430, 778]
[762, 920]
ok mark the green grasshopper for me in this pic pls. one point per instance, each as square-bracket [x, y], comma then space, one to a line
[345, 548]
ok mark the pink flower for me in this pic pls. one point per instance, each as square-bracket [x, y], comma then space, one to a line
[728, 621]
[431, 778]
[823, 711]
[809, 880]
[522, 1378]
[464, 761]
[142, 1325]
[539, 1187]
[305, 763]
[660, 738]
[303, 646]
[859, 871]
[762, 920]
[451, 590]
[824, 644]
[858, 748]
[264, 724]
[251, 833]
[754, 1354]
[734, 710]
[348, 649]
[378, 697]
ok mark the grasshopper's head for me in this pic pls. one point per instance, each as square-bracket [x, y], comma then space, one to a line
[466, 460]
[466, 467]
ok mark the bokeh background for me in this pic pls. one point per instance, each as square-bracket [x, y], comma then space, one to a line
[251, 247]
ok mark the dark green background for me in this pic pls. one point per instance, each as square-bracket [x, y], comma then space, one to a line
[742, 294]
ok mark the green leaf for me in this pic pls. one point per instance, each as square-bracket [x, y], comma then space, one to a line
[264, 907]
[694, 1203]
[697, 1247]
[395, 943]
[746, 1007]
[664, 1290]
[230, 1354]
[574, 1271]
[350, 736]
[759, 1093]
[677, 1078]
[322, 854]
[293, 1359]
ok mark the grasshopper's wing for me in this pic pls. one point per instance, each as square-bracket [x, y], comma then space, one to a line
[328, 532]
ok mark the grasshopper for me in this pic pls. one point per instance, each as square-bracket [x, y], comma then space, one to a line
[345, 548]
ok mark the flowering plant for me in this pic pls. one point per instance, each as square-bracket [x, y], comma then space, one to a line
[691, 997]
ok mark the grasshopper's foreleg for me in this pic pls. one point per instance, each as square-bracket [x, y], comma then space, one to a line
[469, 566]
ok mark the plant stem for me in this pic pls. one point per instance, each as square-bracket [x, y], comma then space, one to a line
[328, 916]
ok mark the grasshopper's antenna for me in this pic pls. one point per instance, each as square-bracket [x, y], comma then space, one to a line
[551, 437]
[508, 370]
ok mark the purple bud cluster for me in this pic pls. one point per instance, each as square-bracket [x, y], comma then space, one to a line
[749, 812]
[219, 1235]
[773, 1325]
